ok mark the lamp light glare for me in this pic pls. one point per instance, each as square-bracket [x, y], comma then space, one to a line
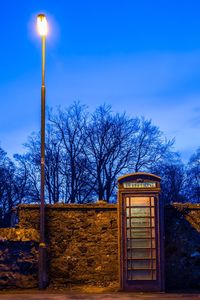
[42, 25]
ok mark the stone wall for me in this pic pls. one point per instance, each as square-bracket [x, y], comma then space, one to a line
[18, 258]
[182, 246]
[82, 241]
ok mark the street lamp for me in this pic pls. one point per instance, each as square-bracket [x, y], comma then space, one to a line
[42, 27]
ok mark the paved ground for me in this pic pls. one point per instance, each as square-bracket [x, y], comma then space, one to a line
[38, 295]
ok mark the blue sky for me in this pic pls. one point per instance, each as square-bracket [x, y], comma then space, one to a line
[142, 57]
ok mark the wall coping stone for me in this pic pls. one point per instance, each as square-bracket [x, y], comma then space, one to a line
[187, 205]
[100, 205]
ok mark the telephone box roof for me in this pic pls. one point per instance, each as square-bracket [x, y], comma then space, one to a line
[137, 175]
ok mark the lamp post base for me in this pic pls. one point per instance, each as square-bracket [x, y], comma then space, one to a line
[42, 272]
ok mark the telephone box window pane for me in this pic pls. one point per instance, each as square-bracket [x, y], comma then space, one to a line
[129, 243]
[153, 233]
[152, 201]
[141, 253]
[141, 243]
[154, 275]
[141, 264]
[129, 275]
[142, 222]
[129, 253]
[140, 233]
[127, 212]
[140, 212]
[129, 264]
[127, 201]
[128, 223]
[152, 212]
[141, 275]
[140, 201]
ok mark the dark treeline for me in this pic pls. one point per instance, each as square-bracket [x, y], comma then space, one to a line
[86, 153]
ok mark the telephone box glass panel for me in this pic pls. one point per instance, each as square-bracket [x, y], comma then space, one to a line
[140, 238]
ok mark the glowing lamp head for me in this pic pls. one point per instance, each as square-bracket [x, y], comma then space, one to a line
[42, 25]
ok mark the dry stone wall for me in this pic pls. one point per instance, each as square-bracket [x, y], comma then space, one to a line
[83, 246]
[182, 246]
[18, 258]
[82, 241]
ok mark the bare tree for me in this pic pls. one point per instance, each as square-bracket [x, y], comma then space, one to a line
[192, 187]
[108, 148]
[70, 126]
[9, 188]
[173, 178]
[149, 146]
[85, 153]
[31, 161]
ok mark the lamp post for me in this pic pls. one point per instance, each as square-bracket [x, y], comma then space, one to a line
[42, 30]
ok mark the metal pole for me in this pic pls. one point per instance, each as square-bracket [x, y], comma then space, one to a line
[42, 245]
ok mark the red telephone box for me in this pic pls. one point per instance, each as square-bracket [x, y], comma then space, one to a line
[140, 216]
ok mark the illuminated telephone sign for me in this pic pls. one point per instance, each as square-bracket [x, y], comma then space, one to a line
[136, 185]
[140, 214]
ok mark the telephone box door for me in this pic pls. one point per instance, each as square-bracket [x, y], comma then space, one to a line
[140, 240]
